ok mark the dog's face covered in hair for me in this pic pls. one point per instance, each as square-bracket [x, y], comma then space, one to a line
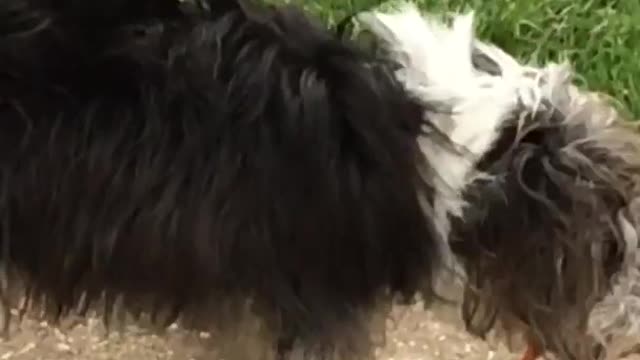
[220, 155]
[542, 217]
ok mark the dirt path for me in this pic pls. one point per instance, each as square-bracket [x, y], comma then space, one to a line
[418, 335]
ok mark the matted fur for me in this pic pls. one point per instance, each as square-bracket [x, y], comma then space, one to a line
[614, 321]
[539, 217]
[232, 159]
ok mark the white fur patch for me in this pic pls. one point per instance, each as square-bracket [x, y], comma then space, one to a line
[437, 67]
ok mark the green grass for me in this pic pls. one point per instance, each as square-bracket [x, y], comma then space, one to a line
[601, 38]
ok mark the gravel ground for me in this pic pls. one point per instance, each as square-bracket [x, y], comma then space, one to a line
[417, 335]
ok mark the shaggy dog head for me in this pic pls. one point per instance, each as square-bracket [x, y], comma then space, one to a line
[540, 209]
[232, 155]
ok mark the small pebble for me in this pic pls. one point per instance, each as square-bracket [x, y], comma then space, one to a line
[63, 347]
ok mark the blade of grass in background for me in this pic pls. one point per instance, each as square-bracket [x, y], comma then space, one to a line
[601, 38]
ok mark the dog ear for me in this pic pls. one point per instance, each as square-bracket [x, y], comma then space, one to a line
[543, 237]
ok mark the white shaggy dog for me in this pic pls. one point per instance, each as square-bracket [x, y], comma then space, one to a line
[540, 208]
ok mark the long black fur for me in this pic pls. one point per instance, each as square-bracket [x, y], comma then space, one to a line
[233, 155]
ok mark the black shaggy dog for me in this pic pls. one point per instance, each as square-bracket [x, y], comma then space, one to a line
[206, 164]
